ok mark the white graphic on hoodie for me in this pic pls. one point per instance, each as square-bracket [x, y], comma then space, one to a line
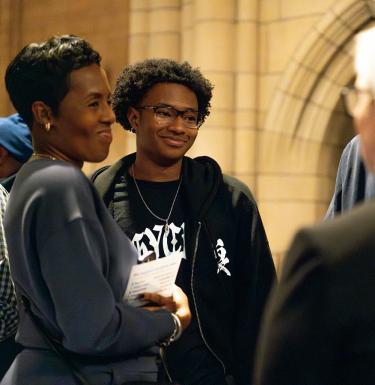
[221, 258]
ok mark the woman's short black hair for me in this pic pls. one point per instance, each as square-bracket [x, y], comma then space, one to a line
[135, 80]
[40, 72]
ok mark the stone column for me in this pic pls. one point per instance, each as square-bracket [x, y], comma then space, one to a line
[187, 22]
[165, 29]
[246, 61]
[138, 30]
[213, 51]
[155, 29]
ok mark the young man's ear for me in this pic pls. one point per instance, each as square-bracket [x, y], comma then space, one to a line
[42, 114]
[133, 118]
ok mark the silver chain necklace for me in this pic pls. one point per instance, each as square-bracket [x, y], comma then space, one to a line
[166, 226]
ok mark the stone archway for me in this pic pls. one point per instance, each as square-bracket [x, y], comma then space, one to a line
[306, 126]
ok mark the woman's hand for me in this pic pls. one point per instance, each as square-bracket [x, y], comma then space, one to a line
[183, 309]
[156, 302]
[177, 303]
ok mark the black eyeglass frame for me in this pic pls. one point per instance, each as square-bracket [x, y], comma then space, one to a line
[178, 112]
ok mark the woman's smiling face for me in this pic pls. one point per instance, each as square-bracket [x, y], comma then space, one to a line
[81, 130]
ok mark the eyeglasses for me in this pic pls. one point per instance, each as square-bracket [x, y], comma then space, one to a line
[165, 115]
[352, 96]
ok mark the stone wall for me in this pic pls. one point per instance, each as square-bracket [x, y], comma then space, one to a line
[278, 66]
[105, 24]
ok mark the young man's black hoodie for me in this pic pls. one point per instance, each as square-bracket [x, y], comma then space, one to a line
[227, 296]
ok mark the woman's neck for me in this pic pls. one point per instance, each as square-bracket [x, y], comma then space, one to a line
[55, 154]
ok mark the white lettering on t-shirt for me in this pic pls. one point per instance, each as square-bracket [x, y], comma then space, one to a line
[156, 241]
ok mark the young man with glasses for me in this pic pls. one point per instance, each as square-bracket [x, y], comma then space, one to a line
[354, 183]
[319, 324]
[169, 203]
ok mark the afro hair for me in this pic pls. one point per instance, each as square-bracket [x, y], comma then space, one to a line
[135, 80]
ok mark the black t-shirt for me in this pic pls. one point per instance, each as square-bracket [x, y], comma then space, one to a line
[148, 233]
[149, 237]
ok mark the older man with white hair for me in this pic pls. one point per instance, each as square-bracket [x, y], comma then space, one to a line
[319, 326]
[355, 182]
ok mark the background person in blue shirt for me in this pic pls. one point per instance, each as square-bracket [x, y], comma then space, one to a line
[8, 303]
[15, 148]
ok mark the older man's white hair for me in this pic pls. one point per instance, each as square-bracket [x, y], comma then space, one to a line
[365, 60]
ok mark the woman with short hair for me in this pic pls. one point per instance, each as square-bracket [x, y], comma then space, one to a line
[68, 257]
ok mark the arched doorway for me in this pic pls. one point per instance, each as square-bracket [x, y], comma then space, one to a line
[307, 126]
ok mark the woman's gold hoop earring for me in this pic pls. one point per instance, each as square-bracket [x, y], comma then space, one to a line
[47, 126]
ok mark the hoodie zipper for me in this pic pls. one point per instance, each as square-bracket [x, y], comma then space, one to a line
[162, 356]
[195, 302]
[162, 349]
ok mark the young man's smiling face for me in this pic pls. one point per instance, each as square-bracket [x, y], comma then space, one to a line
[159, 140]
